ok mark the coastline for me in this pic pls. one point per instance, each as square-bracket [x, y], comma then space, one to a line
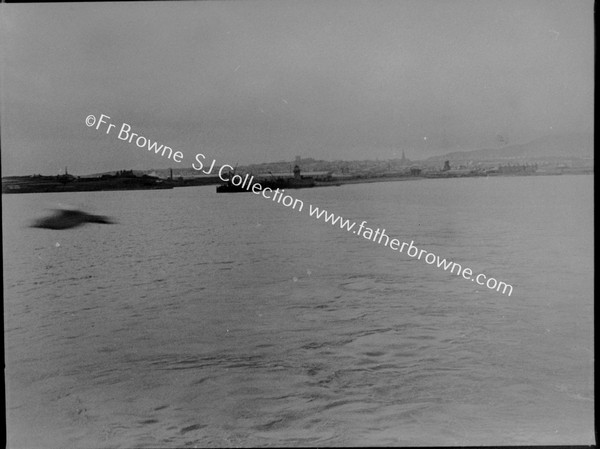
[24, 184]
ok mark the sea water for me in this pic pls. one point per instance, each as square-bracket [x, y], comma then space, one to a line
[204, 319]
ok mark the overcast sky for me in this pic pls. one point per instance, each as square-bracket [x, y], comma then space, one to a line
[257, 81]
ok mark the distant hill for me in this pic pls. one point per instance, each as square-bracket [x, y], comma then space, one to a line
[564, 146]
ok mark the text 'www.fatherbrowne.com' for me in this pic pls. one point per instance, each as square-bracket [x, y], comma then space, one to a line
[247, 183]
[380, 237]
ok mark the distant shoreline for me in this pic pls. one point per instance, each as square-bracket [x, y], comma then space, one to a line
[451, 176]
[54, 184]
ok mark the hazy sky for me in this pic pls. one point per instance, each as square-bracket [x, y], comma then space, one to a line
[256, 81]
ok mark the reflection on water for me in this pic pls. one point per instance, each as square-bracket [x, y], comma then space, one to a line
[228, 320]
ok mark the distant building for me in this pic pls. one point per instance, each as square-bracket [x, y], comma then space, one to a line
[404, 161]
[526, 168]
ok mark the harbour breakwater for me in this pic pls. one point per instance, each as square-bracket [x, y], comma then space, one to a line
[124, 180]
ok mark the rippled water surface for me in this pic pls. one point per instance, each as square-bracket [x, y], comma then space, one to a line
[229, 320]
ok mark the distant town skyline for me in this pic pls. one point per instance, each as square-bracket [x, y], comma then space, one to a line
[259, 81]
